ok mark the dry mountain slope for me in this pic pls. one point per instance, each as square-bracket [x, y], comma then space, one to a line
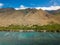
[40, 17]
[30, 17]
[56, 14]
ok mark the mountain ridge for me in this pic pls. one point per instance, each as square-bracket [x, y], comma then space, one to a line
[26, 17]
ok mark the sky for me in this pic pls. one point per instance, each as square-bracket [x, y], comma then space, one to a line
[23, 4]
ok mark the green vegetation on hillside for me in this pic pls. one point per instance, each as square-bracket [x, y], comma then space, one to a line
[50, 27]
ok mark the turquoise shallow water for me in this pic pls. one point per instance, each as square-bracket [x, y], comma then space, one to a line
[29, 38]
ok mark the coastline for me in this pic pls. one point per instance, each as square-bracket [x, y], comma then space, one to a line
[58, 31]
[33, 28]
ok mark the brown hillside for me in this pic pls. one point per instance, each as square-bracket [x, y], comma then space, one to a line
[30, 17]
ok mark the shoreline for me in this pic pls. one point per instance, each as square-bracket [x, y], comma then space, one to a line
[29, 31]
[33, 28]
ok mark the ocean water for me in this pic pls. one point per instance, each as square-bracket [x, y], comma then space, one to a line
[29, 38]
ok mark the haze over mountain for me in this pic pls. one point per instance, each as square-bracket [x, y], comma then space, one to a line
[28, 16]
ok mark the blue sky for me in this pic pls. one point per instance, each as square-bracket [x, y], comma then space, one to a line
[28, 3]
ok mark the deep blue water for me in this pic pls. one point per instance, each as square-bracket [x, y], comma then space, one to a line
[29, 38]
